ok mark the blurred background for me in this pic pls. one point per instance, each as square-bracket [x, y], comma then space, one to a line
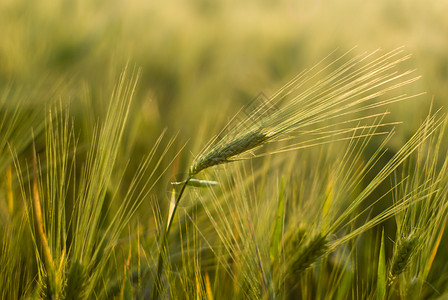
[203, 60]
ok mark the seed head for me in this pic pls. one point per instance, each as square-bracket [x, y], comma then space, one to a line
[310, 252]
[223, 153]
[402, 256]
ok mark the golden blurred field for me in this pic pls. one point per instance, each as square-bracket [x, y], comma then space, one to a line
[202, 57]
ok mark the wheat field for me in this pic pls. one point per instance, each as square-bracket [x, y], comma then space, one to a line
[223, 150]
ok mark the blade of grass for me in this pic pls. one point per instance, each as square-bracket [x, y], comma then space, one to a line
[278, 225]
[382, 272]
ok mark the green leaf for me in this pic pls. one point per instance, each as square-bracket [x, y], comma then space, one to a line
[344, 287]
[278, 225]
[127, 289]
[381, 283]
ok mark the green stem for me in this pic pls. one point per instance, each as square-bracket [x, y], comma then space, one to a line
[163, 241]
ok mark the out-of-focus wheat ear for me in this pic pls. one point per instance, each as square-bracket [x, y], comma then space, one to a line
[75, 281]
[310, 252]
[405, 249]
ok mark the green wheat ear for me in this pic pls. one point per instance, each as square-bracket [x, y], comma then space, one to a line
[221, 154]
[310, 252]
[75, 281]
[406, 248]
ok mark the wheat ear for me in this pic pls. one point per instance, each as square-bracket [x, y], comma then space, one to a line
[406, 248]
[314, 249]
[224, 153]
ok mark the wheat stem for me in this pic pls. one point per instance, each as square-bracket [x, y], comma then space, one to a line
[165, 230]
[37, 209]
